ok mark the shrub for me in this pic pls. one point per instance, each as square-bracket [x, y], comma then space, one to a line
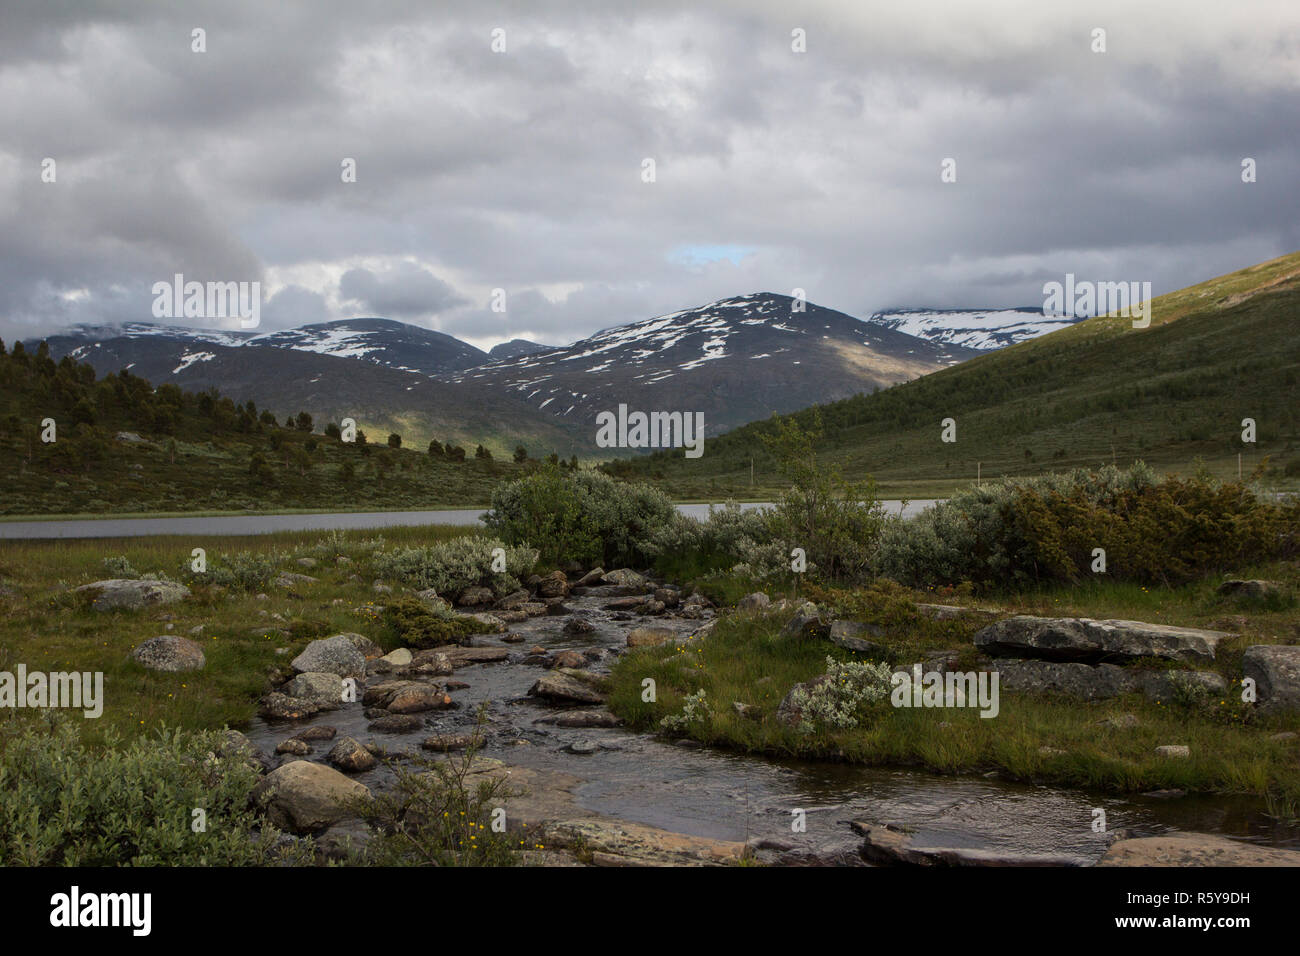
[580, 516]
[1046, 529]
[695, 709]
[65, 804]
[246, 571]
[835, 521]
[119, 567]
[417, 625]
[844, 697]
[458, 563]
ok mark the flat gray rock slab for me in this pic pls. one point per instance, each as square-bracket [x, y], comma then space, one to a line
[1086, 640]
[1101, 681]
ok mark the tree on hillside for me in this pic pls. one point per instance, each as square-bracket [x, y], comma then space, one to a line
[482, 453]
[394, 440]
[303, 422]
[521, 454]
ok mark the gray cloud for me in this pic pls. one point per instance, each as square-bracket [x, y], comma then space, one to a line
[522, 170]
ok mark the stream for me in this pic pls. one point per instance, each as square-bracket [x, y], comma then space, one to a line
[726, 796]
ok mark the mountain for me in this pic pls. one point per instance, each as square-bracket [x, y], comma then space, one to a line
[981, 329]
[735, 360]
[1095, 392]
[326, 371]
[514, 349]
[384, 342]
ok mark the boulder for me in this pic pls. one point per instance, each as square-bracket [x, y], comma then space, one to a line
[1090, 641]
[460, 656]
[584, 718]
[578, 625]
[331, 655]
[1195, 850]
[130, 594]
[553, 585]
[570, 659]
[1252, 590]
[350, 757]
[491, 621]
[474, 596]
[398, 658]
[851, 635]
[303, 797]
[294, 747]
[445, 743]
[788, 712]
[886, 845]
[1276, 671]
[169, 653]
[534, 608]
[406, 697]
[1101, 681]
[278, 706]
[591, 578]
[397, 724]
[513, 600]
[368, 648]
[323, 689]
[568, 685]
[318, 732]
[625, 577]
[952, 612]
[758, 601]
[807, 622]
[290, 580]
[649, 636]
[431, 661]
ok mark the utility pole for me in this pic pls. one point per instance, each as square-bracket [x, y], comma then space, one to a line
[977, 473]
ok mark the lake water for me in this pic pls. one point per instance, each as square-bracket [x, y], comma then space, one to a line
[261, 524]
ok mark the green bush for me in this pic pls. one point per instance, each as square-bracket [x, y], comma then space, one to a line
[65, 804]
[580, 516]
[250, 571]
[453, 565]
[1040, 530]
[417, 625]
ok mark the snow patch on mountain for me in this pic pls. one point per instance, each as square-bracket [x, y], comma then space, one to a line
[982, 329]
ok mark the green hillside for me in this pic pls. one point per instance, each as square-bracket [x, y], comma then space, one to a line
[1173, 394]
[122, 446]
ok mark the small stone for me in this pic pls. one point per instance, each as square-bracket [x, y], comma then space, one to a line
[1174, 750]
[294, 746]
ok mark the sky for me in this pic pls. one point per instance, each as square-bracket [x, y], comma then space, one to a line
[795, 145]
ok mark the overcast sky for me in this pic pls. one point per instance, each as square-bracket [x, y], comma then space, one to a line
[523, 169]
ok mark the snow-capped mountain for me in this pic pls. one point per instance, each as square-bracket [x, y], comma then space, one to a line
[982, 329]
[735, 360]
[384, 342]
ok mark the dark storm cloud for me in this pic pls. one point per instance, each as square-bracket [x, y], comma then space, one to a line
[522, 170]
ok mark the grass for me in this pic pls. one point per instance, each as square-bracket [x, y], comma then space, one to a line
[1173, 395]
[46, 628]
[744, 660]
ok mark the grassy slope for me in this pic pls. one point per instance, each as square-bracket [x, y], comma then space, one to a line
[1215, 353]
[88, 471]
